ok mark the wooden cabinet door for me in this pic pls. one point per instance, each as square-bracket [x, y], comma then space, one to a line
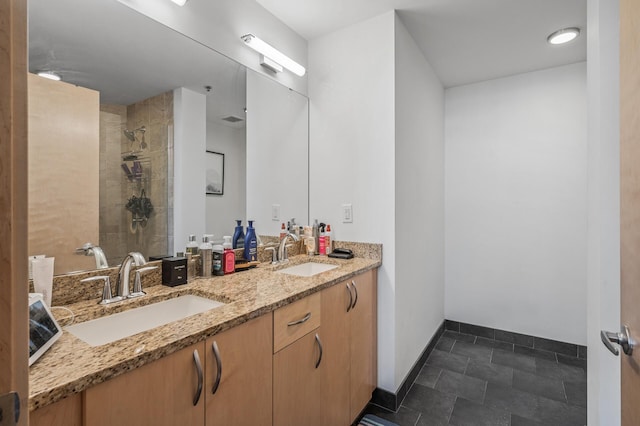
[243, 395]
[159, 393]
[336, 302]
[363, 347]
[67, 412]
[296, 383]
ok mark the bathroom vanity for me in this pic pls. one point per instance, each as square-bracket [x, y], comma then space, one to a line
[282, 349]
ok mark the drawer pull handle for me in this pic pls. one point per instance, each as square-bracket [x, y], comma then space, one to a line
[320, 347]
[216, 353]
[350, 297]
[300, 321]
[355, 289]
[196, 359]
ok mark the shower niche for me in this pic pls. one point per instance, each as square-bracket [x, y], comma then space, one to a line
[134, 205]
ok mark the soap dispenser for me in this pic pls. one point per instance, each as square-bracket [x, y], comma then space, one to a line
[251, 244]
[192, 245]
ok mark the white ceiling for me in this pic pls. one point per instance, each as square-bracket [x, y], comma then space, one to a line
[465, 41]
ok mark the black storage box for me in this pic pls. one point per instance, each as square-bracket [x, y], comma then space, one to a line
[174, 271]
[159, 257]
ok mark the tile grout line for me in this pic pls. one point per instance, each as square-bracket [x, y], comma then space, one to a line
[453, 408]
[418, 419]
[564, 389]
[437, 378]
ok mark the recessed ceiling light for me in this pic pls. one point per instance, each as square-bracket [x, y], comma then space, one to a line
[50, 75]
[180, 2]
[564, 35]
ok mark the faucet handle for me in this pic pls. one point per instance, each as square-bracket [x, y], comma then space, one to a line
[274, 256]
[137, 284]
[106, 290]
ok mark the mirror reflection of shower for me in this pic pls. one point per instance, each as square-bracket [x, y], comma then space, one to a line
[131, 135]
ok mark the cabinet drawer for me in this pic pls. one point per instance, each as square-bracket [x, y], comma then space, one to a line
[293, 321]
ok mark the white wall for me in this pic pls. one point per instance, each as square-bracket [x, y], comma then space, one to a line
[351, 90]
[277, 154]
[219, 24]
[516, 203]
[419, 201]
[222, 210]
[604, 212]
[190, 142]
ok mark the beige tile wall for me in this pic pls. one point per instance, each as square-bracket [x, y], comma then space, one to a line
[118, 235]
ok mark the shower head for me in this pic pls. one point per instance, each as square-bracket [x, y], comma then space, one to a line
[130, 134]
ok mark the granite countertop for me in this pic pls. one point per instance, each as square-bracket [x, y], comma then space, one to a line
[71, 365]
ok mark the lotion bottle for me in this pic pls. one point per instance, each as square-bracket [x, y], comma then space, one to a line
[327, 240]
[309, 241]
[251, 244]
[238, 235]
[322, 248]
[229, 257]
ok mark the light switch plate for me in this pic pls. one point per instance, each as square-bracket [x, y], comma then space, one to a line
[275, 212]
[347, 213]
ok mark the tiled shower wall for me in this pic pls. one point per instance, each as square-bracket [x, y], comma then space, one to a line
[118, 234]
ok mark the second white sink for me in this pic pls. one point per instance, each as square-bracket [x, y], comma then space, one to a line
[124, 324]
[308, 269]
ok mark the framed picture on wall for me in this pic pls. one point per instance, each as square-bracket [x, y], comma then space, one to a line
[215, 173]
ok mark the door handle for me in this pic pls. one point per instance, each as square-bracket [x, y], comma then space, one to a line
[622, 338]
[196, 360]
[216, 353]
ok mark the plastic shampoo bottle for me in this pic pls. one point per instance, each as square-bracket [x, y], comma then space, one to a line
[238, 235]
[251, 244]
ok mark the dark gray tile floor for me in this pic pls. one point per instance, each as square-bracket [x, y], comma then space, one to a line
[476, 381]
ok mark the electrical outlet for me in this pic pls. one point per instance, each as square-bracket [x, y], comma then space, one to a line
[347, 213]
[275, 212]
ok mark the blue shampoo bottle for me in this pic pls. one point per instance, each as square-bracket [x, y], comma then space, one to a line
[251, 244]
[238, 235]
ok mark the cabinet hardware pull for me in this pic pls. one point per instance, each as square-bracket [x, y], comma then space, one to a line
[356, 291]
[216, 353]
[320, 347]
[350, 297]
[300, 321]
[196, 359]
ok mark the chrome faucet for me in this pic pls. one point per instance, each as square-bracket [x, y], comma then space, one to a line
[90, 250]
[122, 285]
[282, 248]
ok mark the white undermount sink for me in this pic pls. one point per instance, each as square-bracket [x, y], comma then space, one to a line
[114, 327]
[308, 269]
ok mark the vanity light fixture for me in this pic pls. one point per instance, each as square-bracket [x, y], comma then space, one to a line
[50, 75]
[272, 57]
[564, 35]
[180, 2]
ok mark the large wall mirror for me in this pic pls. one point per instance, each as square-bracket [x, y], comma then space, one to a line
[149, 137]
